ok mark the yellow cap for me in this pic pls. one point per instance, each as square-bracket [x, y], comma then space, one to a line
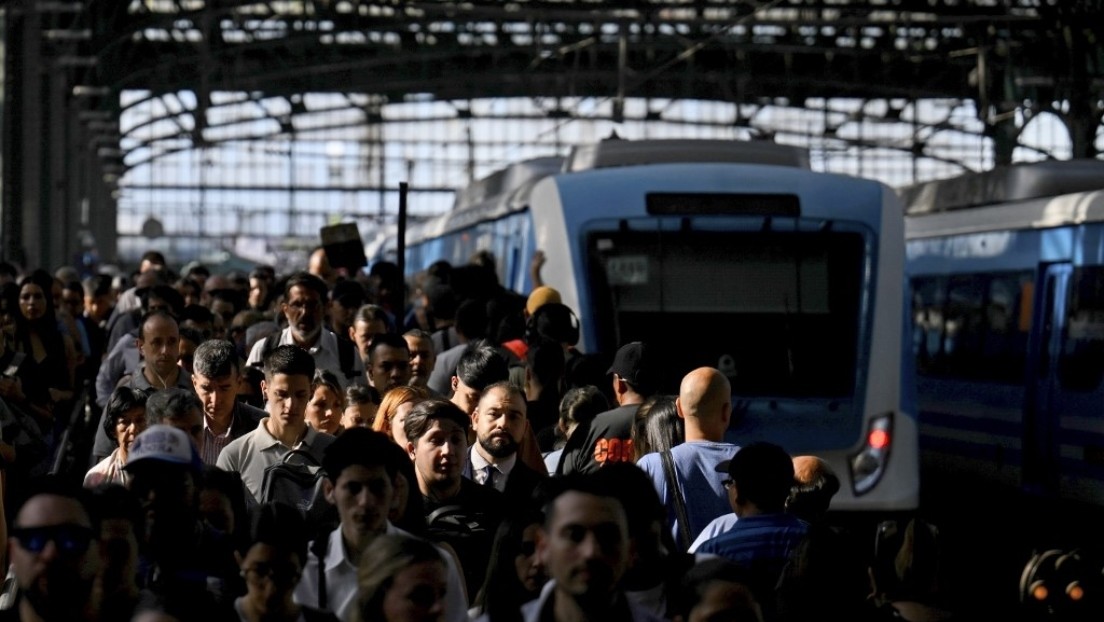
[540, 297]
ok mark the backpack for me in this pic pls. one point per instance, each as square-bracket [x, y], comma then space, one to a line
[450, 523]
[346, 353]
[297, 481]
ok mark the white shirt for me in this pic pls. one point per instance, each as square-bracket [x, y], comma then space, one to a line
[325, 355]
[341, 580]
[479, 466]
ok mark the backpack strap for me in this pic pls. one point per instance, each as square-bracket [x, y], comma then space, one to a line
[270, 342]
[676, 494]
[319, 547]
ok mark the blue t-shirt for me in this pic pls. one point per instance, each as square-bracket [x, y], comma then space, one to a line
[762, 543]
[702, 486]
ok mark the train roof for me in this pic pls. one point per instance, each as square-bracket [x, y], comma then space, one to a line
[617, 152]
[1005, 184]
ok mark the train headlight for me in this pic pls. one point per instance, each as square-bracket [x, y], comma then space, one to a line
[868, 465]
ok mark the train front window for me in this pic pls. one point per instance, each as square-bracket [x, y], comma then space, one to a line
[776, 312]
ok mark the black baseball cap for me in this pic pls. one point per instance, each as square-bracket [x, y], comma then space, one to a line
[634, 362]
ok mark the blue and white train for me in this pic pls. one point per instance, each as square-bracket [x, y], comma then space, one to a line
[732, 255]
[1007, 278]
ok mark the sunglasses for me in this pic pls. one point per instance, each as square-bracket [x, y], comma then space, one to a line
[69, 539]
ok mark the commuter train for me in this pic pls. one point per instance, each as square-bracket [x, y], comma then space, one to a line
[725, 254]
[1007, 277]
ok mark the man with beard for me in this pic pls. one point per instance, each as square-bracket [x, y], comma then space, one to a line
[499, 423]
[361, 481]
[459, 512]
[302, 307]
[55, 555]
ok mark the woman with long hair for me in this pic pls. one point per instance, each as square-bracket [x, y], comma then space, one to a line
[38, 337]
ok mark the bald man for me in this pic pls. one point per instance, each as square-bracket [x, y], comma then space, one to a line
[705, 406]
[815, 483]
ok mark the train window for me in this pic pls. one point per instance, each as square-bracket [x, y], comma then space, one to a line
[780, 310]
[972, 326]
[1081, 364]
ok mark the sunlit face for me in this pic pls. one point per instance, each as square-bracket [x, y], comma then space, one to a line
[303, 310]
[417, 594]
[258, 293]
[499, 422]
[32, 301]
[324, 410]
[160, 344]
[217, 395]
[287, 398]
[362, 333]
[129, 426]
[397, 421]
[422, 359]
[390, 367]
[440, 453]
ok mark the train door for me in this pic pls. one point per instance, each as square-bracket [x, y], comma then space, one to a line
[1040, 422]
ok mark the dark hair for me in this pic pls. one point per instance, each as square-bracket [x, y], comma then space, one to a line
[281, 526]
[198, 314]
[326, 378]
[96, 286]
[372, 313]
[171, 403]
[481, 366]
[809, 501]
[390, 340]
[348, 293]
[288, 360]
[586, 483]
[215, 358]
[554, 321]
[471, 319]
[167, 293]
[229, 484]
[122, 399]
[360, 447]
[424, 413]
[154, 314]
[441, 301]
[59, 486]
[763, 474]
[546, 362]
[657, 426]
[154, 257]
[581, 405]
[307, 280]
[417, 333]
[700, 576]
[359, 394]
[502, 593]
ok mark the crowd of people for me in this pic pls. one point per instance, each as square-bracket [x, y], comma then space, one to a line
[301, 447]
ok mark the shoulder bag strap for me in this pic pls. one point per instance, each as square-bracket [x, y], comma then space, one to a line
[676, 495]
[321, 545]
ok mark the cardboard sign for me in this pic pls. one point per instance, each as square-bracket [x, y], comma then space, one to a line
[343, 246]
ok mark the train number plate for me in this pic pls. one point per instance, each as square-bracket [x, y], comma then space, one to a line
[627, 270]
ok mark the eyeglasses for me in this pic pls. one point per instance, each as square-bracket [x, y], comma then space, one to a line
[69, 539]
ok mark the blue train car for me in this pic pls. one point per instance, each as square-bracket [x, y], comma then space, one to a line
[1007, 276]
[732, 255]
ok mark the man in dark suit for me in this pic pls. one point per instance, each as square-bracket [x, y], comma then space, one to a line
[499, 422]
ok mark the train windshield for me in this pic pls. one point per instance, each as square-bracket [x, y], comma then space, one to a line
[778, 312]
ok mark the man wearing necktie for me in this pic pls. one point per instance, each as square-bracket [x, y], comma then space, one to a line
[499, 422]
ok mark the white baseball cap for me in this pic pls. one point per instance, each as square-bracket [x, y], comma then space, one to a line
[164, 443]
